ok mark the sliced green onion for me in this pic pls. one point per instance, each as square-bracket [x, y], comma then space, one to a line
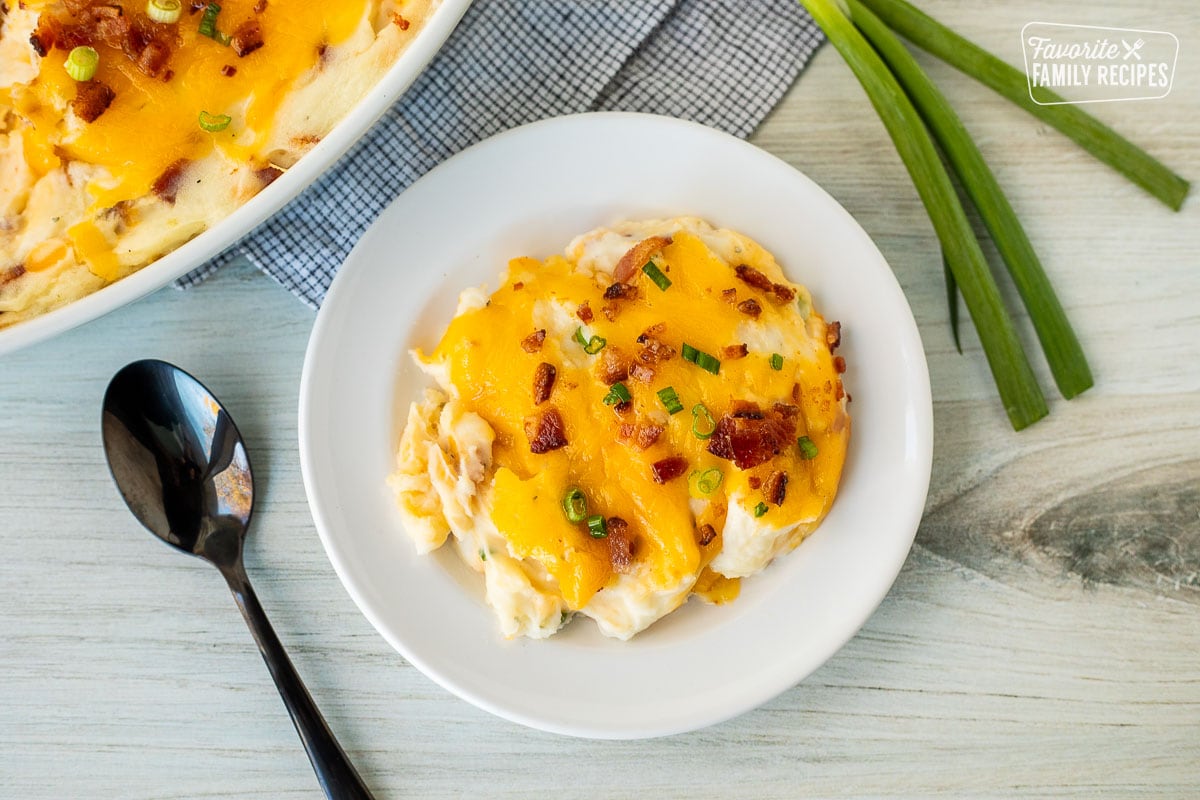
[575, 504]
[1088, 132]
[655, 274]
[597, 527]
[482, 554]
[164, 11]
[214, 123]
[81, 64]
[689, 353]
[1062, 349]
[590, 346]
[703, 424]
[776, 361]
[760, 509]
[706, 482]
[208, 22]
[708, 363]
[617, 393]
[670, 400]
[1017, 385]
[808, 448]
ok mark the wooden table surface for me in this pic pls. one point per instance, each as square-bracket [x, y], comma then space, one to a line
[1042, 639]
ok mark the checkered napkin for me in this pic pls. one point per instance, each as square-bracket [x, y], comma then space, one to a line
[723, 63]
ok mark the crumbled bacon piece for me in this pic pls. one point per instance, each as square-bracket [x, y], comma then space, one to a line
[153, 58]
[543, 382]
[753, 277]
[612, 366]
[734, 351]
[653, 349]
[260, 6]
[620, 544]
[750, 308]
[669, 468]
[795, 393]
[545, 431]
[518, 286]
[74, 23]
[623, 407]
[533, 342]
[399, 21]
[839, 364]
[755, 482]
[584, 312]
[729, 295]
[92, 98]
[641, 373]
[833, 335]
[647, 434]
[247, 38]
[749, 437]
[621, 291]
[705, 535]
[166, 185]
[229, 70]
[636, 257]
[775, 489]
[609, 312]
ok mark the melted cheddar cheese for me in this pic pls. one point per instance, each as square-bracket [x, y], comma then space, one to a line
[509, 519]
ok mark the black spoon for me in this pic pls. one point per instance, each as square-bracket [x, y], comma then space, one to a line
[181, 466]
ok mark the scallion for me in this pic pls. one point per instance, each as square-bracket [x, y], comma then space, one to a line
[208, 24]
[808, 448]
[574, 504]
[82, 63]
[214, 123]
[592, 345]
[597, 527]
[701, 359]
[706, 482]
[760, 509]
[617, 393]
[670, 400]
[655, 274]
[776, 361]
[703, 424]
[164, 11]
[689, 353]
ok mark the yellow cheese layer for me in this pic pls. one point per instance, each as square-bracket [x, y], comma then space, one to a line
[493, 376]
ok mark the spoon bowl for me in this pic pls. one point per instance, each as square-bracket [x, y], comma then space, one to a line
[180, 463]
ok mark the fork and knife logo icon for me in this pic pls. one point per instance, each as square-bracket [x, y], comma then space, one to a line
[1132, 49]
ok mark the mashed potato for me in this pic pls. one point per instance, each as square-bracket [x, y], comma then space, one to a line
[655, 414]
[173, 132]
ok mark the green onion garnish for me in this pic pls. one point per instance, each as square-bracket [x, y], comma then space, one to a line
[655, 274]
[689, 352]
[1065, 356]
[214, 123]
[164, 11]
[776, 361]
[590, 346]
[760, 509]
[575, 504]
[1088, 132]
[703, 424]
[81, 64]
[482, 554]
[1019, 391]
[617, 393]
[597, 527]
[670, 400]
[808, 449]
[701, 359]
[706, 482]
[208, 24]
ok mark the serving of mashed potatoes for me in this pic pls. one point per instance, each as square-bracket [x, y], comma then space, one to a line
[192, 109]
[654, 414]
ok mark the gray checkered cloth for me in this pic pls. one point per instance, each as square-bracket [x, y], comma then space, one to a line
[723, 63]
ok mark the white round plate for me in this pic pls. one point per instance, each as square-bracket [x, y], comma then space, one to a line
[528, 192]
[228, 231]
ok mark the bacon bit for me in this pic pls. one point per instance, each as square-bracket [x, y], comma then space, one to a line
[647, 434]
[833, 335]
[610, 312]
[748, 437]
[637, 256]
[729, 295]
[641, 373]
[775, 489]
[623, 407]
[753, 277]
[247, 38]
[166, 185]
[543, 382]
[533, 342]
[654, 349]
[267, 175]
[260, 6]
[545, 431]
[166, 76]
[518, 286]
[84, 22]
[839, 364]
[229, 70]
[584, 312]
[755, 482]
[839, 392]
[669, 468]
[399, 21]
[734, 351]
[153, 58]
[621, 291]
[612, 366]
[705, 535]
[92, 98]
[750, 308]
[620, 545]
[41, 42]
[795, 393]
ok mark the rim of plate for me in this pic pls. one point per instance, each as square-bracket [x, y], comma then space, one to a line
[358, 350]
[218, 238]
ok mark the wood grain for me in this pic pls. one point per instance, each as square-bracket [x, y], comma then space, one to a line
[1040, 641]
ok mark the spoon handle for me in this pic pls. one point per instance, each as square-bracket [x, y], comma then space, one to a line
[334, 771]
